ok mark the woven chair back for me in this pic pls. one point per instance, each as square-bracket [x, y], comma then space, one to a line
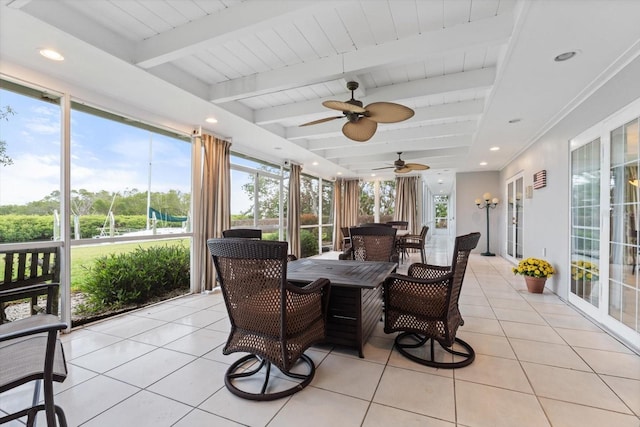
[242, 233]
[373, 243]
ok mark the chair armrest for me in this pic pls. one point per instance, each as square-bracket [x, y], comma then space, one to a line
[30, 326]
[347, 254]
[40, 288]
[311, 288]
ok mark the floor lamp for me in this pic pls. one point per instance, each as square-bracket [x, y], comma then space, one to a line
[487, 203]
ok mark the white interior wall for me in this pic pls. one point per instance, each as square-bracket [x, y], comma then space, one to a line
[469, 187]
[546, 215]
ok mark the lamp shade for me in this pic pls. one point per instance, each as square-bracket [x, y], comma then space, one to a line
[486, 196]
[495, 201]
[478, 201]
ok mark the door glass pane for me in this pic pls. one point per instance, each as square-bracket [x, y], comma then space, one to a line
[511, 214]
[585, 224]
[441, 204]
[519, 217]
[623, 235]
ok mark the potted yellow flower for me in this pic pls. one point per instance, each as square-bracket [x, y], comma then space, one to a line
[583, 273]
[536, 272]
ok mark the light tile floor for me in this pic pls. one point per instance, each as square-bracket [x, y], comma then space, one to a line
[539, 363]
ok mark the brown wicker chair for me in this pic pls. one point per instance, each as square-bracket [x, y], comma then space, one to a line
[423, 306]
[271, 319]
[414, 241]
[346, 238]
[398, 225]
[372, 244]
[31, 351]
[242, 233]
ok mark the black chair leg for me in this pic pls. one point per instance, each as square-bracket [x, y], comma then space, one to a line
[233, 373]
[402, 345]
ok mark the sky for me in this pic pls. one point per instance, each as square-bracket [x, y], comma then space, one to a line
[105, 155]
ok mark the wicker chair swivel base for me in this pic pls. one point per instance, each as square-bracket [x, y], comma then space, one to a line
[271, 319]
[423, 306]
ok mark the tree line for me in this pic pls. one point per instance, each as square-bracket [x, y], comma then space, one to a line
[84, 202]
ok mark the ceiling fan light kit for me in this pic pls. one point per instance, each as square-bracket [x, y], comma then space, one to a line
[362, 122]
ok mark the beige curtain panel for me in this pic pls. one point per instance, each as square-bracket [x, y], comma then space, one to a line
[293, 220]
[351, 203]
[407, 202]
[215, 210]
[346, 207]
[337, 217]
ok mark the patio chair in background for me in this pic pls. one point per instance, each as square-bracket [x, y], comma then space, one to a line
[372, 244]
[271, 319]
[346, 238]
[398, 225]
[423, 306]
[242, 233]
[414, 241]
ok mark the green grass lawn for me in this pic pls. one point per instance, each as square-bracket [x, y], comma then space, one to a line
[83, 257]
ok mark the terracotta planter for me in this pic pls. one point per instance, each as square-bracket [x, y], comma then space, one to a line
[535, 285]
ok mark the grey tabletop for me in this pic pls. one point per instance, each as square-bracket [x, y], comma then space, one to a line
[363, 274]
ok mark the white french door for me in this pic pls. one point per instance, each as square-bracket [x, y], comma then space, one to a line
[515, 215]
[605, 161]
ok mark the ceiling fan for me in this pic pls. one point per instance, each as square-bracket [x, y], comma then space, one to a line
[363, 121]
[401, 167]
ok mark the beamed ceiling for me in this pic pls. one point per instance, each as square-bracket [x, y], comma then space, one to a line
[262, 68]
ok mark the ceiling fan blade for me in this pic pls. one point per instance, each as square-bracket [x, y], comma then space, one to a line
[388, 112]
[416, 166]
[343, 106]
[326, 119]
[386, 167]
[403, 169]
[360, 131]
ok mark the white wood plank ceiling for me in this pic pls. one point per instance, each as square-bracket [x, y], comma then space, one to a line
[272, 64]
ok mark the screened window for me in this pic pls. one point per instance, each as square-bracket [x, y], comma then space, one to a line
[29, 165]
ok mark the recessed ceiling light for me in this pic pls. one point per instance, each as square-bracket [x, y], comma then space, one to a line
[315, 163]
[211, 120]
[514, 121]
[494, 148]
[338, 173]
[565, 56]
[373, 174]
[51, 54]
[483, 163]
[440, 181]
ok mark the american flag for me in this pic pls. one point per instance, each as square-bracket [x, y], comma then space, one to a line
[540, 179]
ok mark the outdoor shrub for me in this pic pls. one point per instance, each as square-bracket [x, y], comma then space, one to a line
[308, 243]
[270, 236]
[119, 280]
[25, 228]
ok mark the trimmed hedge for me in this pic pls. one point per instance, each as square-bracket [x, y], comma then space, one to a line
[118, 280]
